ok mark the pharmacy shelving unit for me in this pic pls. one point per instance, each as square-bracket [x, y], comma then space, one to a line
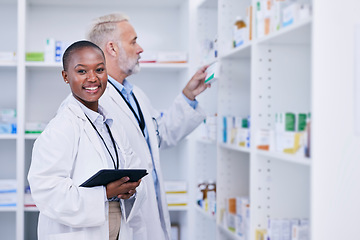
[36, 89]
[258, 79]
[203, 30]
[8, 100]
[308, 66]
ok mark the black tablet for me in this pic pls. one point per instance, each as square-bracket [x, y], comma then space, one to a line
[105, 176]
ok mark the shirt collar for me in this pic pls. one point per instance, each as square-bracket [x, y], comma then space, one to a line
[100, 117]
[126, 88]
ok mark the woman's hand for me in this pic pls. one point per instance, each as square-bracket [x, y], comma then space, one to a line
[121, 188]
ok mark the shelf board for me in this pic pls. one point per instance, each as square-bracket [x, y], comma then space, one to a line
[208, 4]
[113, 3]
[145, 66]
[32, 136]
[229, 233]
[43, 64]
[9, 2]
[205, 141]
[242, 52]
[207, 215]
[286, 157]
[298, 33]
[31, 209]
[8, 64]
[178, 208]
[8, 136]
[235, 148]
[7, 209]
[165, 66]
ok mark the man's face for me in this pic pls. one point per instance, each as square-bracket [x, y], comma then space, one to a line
[129, 49]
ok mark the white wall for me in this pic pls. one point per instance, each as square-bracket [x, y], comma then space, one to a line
[336, 152]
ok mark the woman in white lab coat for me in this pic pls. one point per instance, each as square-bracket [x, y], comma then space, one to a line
[70, 150]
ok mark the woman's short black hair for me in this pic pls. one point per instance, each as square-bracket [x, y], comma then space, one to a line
[76, 46]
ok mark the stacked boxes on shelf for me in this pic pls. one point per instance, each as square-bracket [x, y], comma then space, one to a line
[7, 193]
[7, 57]
[209, 128]
[176, 193]
[291, 134]
[236, 131]
[272, 15]
[285, 229]
[28, 200]
[8, 121]
[242, 29]
[206, 198]
[236, 217]
[35, 127]
[53, 52]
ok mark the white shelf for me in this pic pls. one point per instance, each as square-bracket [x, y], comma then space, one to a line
[235, 148]
[205, 141]
[31, 209]
[43, 64]
[207, 215]
[7, 209]
[286, 157]
[228, 232]
[165, 66]
[178, 208]
[8, 64]
[208, 4]
[8, 136]
[241, 52]
[32, 136]
[145, 66]
[114, 3]
[298, 33]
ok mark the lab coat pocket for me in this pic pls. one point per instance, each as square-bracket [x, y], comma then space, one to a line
[79, 235]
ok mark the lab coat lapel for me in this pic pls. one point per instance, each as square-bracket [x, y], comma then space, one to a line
[115, 96]
[89, 130]
[149, 124]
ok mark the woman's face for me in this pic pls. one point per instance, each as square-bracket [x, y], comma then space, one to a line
[86, 74]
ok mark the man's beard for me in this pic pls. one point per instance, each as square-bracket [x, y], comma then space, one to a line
[128, 66]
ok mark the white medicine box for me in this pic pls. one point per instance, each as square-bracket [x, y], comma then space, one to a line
[212, 73]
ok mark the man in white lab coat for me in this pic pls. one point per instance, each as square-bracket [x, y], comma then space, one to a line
[146, 128]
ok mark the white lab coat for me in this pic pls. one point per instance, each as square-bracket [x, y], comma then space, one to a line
[66, 154]
[177, 122]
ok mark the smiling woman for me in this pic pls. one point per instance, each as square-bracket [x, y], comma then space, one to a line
[76, 144]
[85, 71]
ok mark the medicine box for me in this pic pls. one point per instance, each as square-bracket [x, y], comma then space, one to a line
[7, 56]
[34, 56]
[7, 193]
[212, 73]
[34, 127]
[176, 193]
[175, 186]
[172, 57]
[177, 199]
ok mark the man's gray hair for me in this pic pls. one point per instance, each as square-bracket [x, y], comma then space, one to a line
[104, 28]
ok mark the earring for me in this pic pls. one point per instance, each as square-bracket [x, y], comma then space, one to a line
[67, 81]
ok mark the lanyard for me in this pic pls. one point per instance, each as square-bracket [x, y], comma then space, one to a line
[116, 166]
[141, 121]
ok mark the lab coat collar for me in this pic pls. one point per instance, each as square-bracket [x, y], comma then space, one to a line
[99, 117]
[74, 106]
[126, 88]
[116, 98]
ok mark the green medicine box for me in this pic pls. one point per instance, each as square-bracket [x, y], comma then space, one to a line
[34, 56]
